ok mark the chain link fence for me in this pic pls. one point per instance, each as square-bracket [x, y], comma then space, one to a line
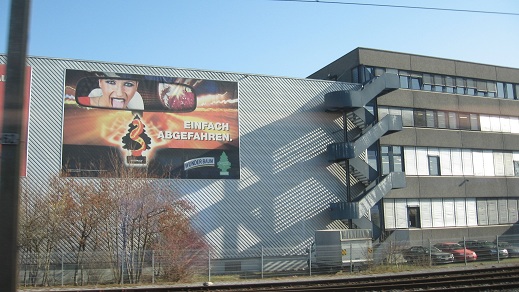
[173, 266]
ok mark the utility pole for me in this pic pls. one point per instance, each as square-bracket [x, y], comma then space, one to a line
[10, 139]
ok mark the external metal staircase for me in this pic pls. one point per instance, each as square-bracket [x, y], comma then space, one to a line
[350, 154]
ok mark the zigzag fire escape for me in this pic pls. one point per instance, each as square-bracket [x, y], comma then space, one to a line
[351, 153]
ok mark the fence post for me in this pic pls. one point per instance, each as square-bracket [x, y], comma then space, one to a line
[351, 258]
[430, 253]
[62, 271]
[262, 262]
[153, 266]
[464, 251]
[310, 260]
[497, 247]
[209, 266]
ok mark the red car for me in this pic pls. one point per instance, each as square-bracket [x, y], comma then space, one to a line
[457, 250]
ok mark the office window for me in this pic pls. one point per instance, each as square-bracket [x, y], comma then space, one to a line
[392, 159]
[453, 120]
[474, 122]
[442, 120]
[500, 89]
[434, 165]
[491, 88]
[355, 75]
[471, 87]
[416, 83]
[464, 121]
[509, 92]
[407, 117]
[516, 168]
[427, 82]
[413, 214]
[460, 85]
[404, 79]
[419, 118]
[430, 119]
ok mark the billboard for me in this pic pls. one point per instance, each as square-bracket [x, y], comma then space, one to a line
[25, 118]
[171, 127]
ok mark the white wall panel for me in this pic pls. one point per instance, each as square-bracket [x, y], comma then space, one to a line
[505, 124]
[389, 213]
[472, 213]
[508, 164]
[499, 163]
[502, 211]
[495, 125]
[445, 161]
[448, 212]
[461, 214]
[484, 121]
[512, 211]
[477, 159]
[488, 163]
[468, 166]
[401, 213]
[426, 213]
[410, 161]
[492, 211]
[422, 161]
[482, 212]
[457, 164]
[514, 125]
[437, 213]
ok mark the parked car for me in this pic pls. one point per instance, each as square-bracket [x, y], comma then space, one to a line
[485, 250]
[424, 255]
[513, 250]
[460, 254]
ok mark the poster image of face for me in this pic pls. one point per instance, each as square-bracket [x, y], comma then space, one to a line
[171, 127]
[25, 118]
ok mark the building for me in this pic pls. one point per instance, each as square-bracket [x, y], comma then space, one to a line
[458, 145]
[290, 156]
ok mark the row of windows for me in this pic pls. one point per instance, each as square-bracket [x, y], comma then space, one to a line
[449, 212]
[448, 161]
[452, 120]
[440, 83]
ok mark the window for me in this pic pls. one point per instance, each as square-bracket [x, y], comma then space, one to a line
[427, 82]
[471, 87]
[404, 79]
[516, 168]
[442, 120]
[509, 92]
[453, 120]
[434, 165]
[392, 159]
[430, 119]
[355, 75]
[413, 214]
[474, 122]
[416, 83]
[464, 121]
[460, 85]
[419, 118]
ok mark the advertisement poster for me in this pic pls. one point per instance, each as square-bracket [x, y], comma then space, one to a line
[172, 127]
[25, 119]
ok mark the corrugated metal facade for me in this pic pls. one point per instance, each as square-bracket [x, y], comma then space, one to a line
[286, 181]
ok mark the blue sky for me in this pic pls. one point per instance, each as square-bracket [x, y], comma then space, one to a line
[292, 39]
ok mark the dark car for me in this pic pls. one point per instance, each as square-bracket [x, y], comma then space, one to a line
[513, 250]
[425, 255]
[460, 254]
[486, 250]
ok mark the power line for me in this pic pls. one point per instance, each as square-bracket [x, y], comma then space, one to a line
[400, 6]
